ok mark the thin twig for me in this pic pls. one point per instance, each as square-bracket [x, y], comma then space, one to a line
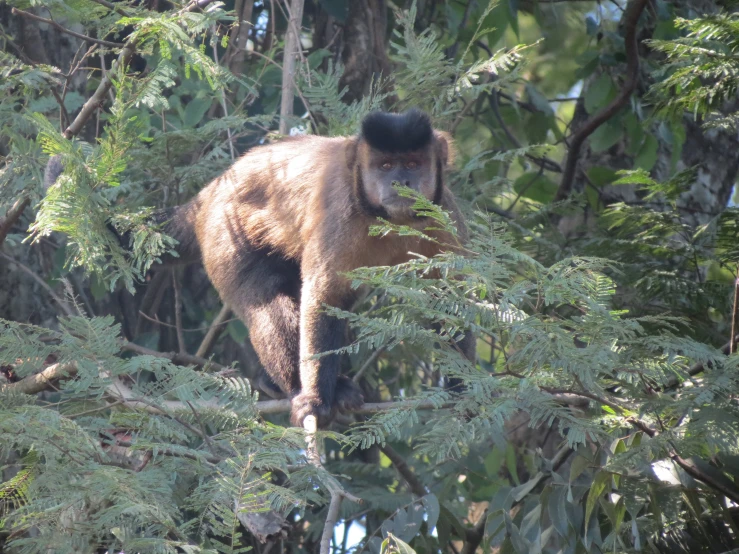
[176, 357]
[733, 310]
[171, 452]
[110, 6]
[402, 467]
[63, 29]
[369, 362]
[12, 216]
[213, 331]
[689, 467]
[631, 16]
[42, 381]
[63, 305]
[178, 313]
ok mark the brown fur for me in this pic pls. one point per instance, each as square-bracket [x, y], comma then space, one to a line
[277, 230]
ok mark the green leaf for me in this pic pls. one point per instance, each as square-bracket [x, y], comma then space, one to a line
[511, 461]
[194, 111]
[401, 546]
[237, 331]
[497, 20]
[521, 491]
[445, 514]
[557, 510]
[601, 176]
[513, 15]
[431, 505]
[605, 136]
[598, 93]
[647, 156]
[596, 489]
[579, 464]
[539, 100]
[536, 187]
[493, 461]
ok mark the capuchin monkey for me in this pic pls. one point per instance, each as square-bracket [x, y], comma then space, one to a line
[278, 230]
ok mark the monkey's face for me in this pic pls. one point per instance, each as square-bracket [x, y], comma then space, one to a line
[383, 170]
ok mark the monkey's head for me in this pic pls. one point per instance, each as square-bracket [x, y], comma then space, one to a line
[397, 149]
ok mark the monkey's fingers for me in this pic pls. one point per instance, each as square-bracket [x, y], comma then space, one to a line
[348, 395]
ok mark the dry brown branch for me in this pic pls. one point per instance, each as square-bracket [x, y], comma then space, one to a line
[42, 381]
[292, 50]
[630, 20]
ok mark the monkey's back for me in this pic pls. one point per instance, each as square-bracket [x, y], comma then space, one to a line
[273, 197]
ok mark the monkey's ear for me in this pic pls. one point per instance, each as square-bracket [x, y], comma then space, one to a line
[444, 147]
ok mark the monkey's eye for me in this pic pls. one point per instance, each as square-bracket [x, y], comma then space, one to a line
[387, 166]
[411, 165]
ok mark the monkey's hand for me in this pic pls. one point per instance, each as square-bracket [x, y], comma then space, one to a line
[348, 398]
[348, 395]
[304, 405]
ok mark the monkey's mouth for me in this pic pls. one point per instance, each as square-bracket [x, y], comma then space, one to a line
[396, 201]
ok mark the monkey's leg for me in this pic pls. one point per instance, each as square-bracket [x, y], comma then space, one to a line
[323, 390]
[265, 294]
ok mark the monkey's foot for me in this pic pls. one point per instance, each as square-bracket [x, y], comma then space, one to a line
[348, 395]
[304, 405]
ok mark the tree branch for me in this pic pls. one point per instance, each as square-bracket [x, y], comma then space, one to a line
[401, 466]
[214, 330]
[41, 381]
[63, 29]
[337, 492]
[181, 358]
[630, 19]
[43, 284]
[11, 216]
[292, 49]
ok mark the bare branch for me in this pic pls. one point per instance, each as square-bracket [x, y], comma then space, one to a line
[63, 29]
[631, 16]
[178, 313]
[62, 304]
[12, 216]
[41, 381]
[292, 50]
[176, 357]
[310, 424]
[401, 466]
[214, 330]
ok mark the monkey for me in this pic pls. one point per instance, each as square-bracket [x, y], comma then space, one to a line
[277, 231]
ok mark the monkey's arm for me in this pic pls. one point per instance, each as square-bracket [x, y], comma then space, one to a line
[323, 390]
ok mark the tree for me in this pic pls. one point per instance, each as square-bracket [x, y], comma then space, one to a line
[600, 415]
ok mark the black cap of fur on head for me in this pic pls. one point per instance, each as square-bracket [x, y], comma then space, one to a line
[401, 132]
